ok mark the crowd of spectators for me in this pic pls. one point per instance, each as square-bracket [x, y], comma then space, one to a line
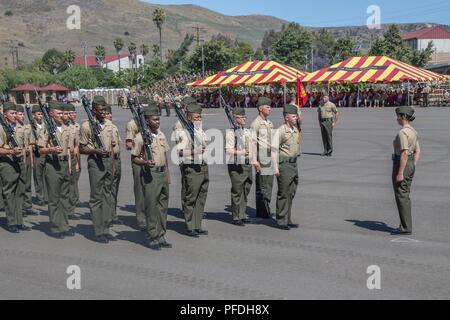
[383, 96]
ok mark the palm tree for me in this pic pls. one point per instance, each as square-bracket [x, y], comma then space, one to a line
[100, 54]
[145, 49]
[155, 50]
[132, 49]
[159, 17]
[69, 57]
[118, 44]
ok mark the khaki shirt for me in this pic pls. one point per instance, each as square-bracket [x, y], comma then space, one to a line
[263, 130]
[132, 130]
[328, 110]
[289, 139]
[406, 139]
[106, 134]
[24, 136]
[184, 141]
[117, 140]
[75, 129]
[5, 142]
[159, 148]
[64, 135]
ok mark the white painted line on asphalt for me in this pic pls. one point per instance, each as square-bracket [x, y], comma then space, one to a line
[401, 239]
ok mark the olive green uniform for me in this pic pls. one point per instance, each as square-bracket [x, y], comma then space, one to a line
[178, 129]
[75, 176]
[117, 171]
[24, 138]
[13, 187]
[154, 185]
[327, 113]
[38, 174]
[240, 172]
[195, 173]
[57, 178]
[100, 168]
[131, 132]
[264, 181]
[406, 139]
[289, 151]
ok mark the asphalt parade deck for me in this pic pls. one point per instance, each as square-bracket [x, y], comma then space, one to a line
[344, 205]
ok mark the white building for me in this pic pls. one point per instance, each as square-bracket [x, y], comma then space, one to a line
[418, 40]
[111, 62]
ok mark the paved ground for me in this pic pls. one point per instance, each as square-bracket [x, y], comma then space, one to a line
[344, 206]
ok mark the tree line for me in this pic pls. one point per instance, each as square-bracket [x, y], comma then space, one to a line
[293, 45]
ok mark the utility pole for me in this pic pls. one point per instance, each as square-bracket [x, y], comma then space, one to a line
[312, 59]
[203, 61]
[198, 29]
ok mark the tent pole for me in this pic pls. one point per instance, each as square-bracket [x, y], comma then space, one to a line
[284, 93]
[409, 97]
[357, 99]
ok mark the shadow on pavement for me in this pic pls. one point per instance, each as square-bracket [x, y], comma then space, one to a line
[137, 237]
[373, 225]
[312, 154]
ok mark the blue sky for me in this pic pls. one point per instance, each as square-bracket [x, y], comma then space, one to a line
[328, 13]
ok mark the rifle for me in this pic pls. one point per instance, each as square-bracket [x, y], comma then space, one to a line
[33, 128]
[189, 126]
[9, 131]
[138, 114]
[51, 126]
[95, 126]
[228, 112]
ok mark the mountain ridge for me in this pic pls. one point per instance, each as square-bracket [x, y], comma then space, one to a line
[40, 25]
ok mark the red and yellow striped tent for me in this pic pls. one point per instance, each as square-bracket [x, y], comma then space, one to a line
[373, 69]
[252, 73]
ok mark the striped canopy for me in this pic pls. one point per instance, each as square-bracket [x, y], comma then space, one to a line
[374, 69]
[252, 73]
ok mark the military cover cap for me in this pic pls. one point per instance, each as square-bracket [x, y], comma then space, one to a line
[70, 107]
[62, 106]
[35, 108]
[20, 108]
[406, 110]
[108, 109]
[239, 112]
[151, 104]
[290, 109]
[143, 100]
[9, 106]
[152, 111]
[188, 100]
[99, 101]
[53, 105]
[264, 101]
[194, 108]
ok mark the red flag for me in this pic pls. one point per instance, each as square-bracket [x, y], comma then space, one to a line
[302, 96]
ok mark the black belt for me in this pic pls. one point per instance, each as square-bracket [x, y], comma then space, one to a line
[102, 156]
[396, 157]
[327, 119]
[289, 160]
[9, 160]
[56, 158]
[194, 165]
[158, 169]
